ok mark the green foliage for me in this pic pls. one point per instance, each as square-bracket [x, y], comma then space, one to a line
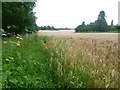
[112, 23]
[90, 28]
[47, 28]
[101, 15]
[118, 28]
[18, 17]
[100, 25]
[81, 28]
[112, 28]
[52, 28]
[26, 63]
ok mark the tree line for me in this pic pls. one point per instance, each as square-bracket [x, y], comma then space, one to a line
[100, 25]
[47, 28]
[18, 18]
[51, 28]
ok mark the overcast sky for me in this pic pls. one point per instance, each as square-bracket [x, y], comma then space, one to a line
[71, 13]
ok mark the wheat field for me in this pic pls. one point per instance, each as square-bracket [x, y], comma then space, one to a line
[85, 60]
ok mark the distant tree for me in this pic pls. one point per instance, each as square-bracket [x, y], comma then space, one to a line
[81, 28]
[100, 23]
[112, 28]
[52, 28]
[91, 27]
[118, 28]
[101, 15]
[83, 23]
[112, 23]
[47, 28]
[44, 28]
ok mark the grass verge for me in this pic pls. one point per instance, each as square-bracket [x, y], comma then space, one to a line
[26, 62]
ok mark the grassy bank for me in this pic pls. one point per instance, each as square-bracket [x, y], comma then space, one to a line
[26, 62]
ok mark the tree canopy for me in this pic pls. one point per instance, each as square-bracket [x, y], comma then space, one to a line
[100, 25]
[18, 17]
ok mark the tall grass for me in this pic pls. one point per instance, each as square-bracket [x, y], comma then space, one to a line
[85, 63]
